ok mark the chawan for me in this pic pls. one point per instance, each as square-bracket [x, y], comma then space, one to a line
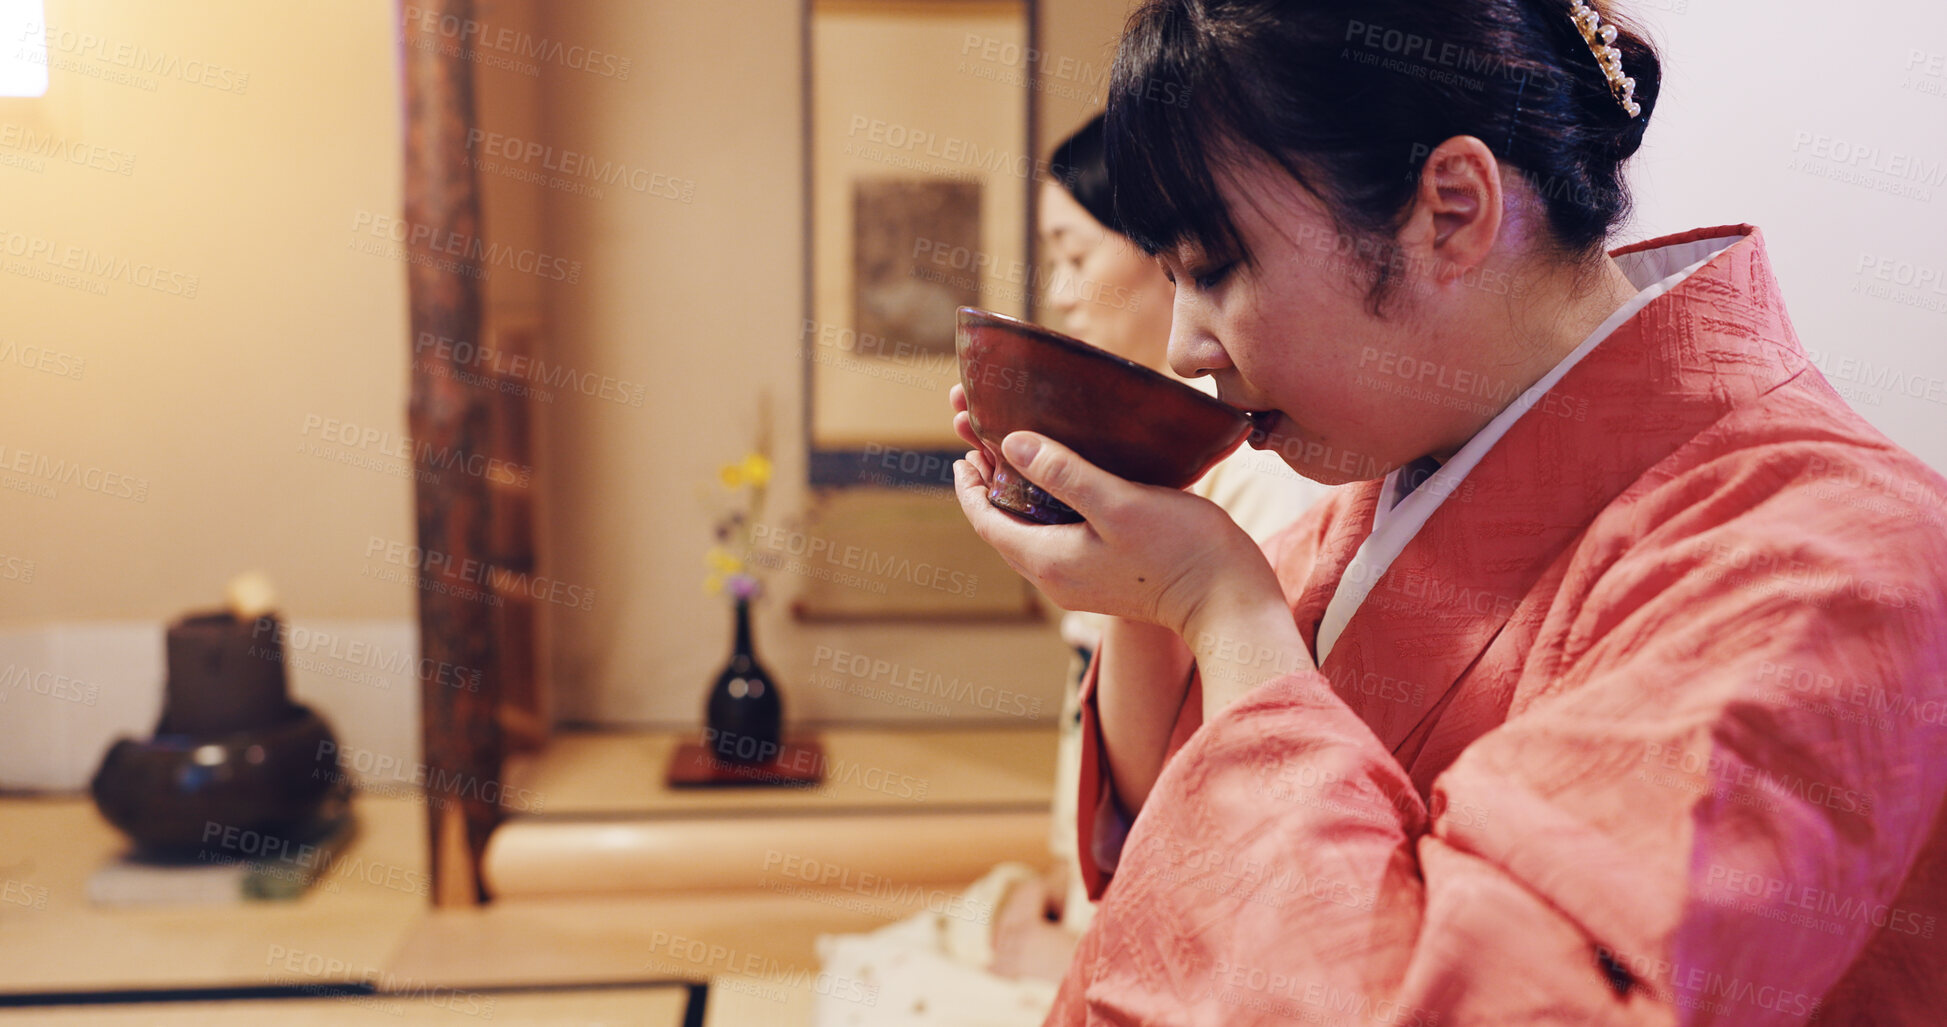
[1125, 418]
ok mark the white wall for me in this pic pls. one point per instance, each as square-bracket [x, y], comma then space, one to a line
[1763, 107]
[254, 192]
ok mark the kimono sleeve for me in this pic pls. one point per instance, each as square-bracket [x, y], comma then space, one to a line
[1101, 825]
[1667, 828]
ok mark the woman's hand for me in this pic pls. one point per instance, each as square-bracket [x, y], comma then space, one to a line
[1029, 940]
[1146, 553]
[1149, 554]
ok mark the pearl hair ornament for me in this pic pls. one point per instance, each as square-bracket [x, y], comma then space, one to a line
[1600, 38]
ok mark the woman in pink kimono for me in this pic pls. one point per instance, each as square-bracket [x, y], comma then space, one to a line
[1613, 692]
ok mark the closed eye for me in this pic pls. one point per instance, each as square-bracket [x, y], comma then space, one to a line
[1211, 279]
[1208, 280]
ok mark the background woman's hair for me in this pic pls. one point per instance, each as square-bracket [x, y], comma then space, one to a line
[1081, 166]
[1350, 96]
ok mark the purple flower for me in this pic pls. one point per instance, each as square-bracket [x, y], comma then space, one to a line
[743, 586]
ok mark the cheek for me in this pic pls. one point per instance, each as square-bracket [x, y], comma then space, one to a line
[1121, 271]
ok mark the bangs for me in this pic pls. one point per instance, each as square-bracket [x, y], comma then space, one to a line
[1172, 106]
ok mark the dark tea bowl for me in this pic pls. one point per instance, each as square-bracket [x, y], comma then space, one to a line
[1127, 419]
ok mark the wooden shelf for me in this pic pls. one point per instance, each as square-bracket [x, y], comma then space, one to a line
[357, 913]
[375, 922]
[621, 772]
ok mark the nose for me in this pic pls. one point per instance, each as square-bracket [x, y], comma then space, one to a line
[1194, 349]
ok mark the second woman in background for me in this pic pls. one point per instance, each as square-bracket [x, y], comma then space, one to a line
[937, 970]
[1104, 290]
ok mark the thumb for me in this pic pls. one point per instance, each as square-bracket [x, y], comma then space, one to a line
[1061, 472]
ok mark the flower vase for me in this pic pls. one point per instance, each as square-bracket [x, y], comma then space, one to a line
[744, 714]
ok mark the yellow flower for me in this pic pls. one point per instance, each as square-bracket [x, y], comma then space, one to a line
[732, 475]
[721, 562]
[713, 584]
[757, 469]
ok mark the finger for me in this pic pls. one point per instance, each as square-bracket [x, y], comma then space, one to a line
[985, 519]
[963, 427]
[969, 487]
[1016, 540]
[957, 395]
[1062, 473]
[983, 466]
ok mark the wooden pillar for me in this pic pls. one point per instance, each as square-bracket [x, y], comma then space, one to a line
[525, 712]
[451, 425]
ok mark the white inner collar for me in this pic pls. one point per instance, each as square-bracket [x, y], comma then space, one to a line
[1403, 510]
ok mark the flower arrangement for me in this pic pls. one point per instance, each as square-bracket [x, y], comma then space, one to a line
[745, 480]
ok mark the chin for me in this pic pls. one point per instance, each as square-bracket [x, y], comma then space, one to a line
[1321, 462]
[1328, 475]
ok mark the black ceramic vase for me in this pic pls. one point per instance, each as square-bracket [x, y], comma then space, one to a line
[744, 715]
[234, 762]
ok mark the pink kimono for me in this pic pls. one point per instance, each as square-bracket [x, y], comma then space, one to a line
[1645, 726]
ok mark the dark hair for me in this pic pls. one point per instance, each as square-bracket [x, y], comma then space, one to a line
[1349, 96]
[1081, 166]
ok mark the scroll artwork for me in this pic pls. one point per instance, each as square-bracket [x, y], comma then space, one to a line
[916, 256]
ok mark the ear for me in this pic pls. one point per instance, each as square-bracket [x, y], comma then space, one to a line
[1455, 219]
